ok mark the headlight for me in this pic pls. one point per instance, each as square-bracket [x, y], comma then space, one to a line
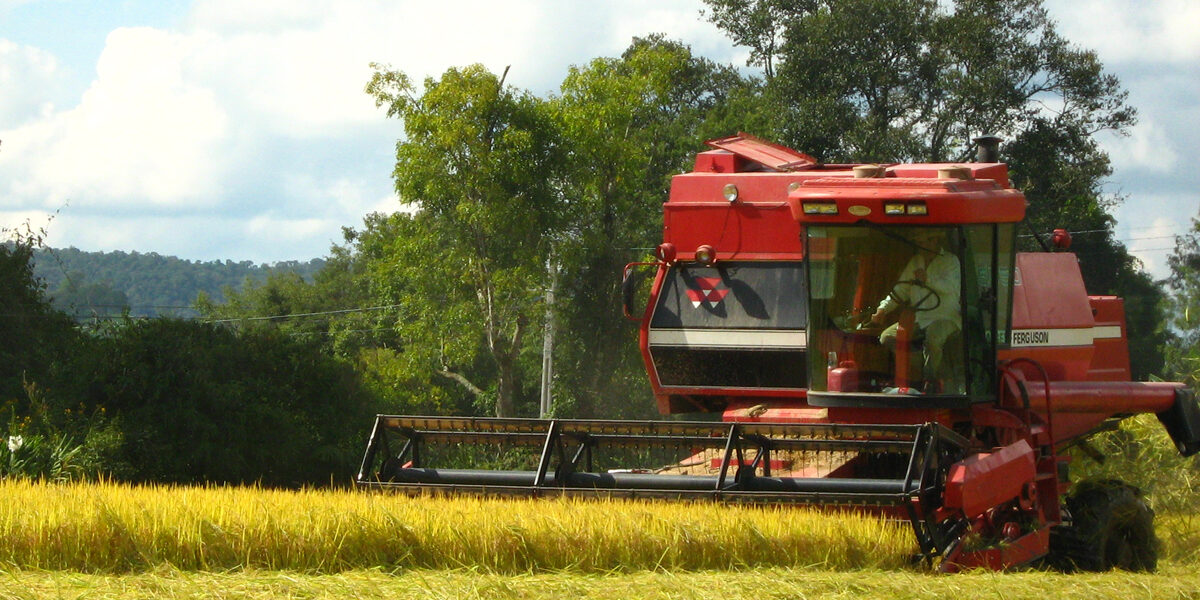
[820, 208]
[730, 192]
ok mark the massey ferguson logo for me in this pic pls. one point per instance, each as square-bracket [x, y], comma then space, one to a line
[711, 291]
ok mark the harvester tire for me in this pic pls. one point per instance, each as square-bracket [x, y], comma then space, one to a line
[1112, 528]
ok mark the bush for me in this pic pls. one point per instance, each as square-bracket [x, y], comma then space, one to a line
[201, 402]
[35, 446]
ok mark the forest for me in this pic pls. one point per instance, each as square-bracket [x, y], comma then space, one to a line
[441, 306]
[106, 285]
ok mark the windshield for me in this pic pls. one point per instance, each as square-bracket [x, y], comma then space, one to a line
[886, 310]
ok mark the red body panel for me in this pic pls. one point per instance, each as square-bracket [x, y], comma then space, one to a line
[949, 201]
[1111, 359]
[1052, 319]
[1027, 548]
[746, 230]
[985, 480]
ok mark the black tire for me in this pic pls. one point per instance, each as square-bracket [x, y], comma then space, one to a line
[1112, 528]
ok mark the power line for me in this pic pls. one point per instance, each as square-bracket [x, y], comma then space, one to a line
[1154, 237]
[310, 314]
[341, 331]
[133, 306]
[236, 319]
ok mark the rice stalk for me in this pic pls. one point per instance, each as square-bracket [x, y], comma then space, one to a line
[117, 528]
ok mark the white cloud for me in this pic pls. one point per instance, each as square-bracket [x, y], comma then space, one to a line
[246, 133]
[1148, 147]
[309, 76]
[142, 133]
[260, 15]
[24, 222]
[275, 228]
[29, 78]
[1147, 228]
[1132, 31]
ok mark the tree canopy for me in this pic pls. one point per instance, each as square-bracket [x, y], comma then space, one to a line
[1183, 308]
[34, 334]
[480, 162]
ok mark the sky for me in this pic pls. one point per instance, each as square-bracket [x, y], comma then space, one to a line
[239, 129]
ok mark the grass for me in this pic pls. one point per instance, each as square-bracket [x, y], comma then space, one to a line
[1174, 581]
[119, 541]
[112, 528]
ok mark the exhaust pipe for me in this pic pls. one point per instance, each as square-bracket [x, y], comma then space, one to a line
[987, 148]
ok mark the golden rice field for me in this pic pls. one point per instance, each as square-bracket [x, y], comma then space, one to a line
[758, 584]
[118, 541]
[111, 528]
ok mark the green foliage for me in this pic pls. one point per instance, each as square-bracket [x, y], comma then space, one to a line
[1182, 308]
[105, 284]
[48, 445]
[89, 300]
[199, 402]
[38, 457]
[349, 313]
[480, 162]
[898, 80]
[630, 123]
[34, 334]
[757, 24]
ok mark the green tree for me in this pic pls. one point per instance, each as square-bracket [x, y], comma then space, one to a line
[345, 313]
[35, 335]
[896, 80]
[758, 25]
[203, 402]
[85, 300]
[630, 123]
[1183, 308]
[152, 284]
[481, 164]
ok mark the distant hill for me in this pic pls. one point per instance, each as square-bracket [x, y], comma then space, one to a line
[104, 284]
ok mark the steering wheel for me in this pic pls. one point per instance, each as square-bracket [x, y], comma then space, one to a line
[929, 301]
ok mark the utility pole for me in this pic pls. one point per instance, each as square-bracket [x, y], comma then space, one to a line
[547, 400]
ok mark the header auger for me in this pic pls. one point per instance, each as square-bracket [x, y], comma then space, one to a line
[869, 336]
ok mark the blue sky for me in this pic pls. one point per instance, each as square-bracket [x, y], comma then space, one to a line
[231, 129]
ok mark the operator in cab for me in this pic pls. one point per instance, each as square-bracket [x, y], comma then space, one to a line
[928, 286]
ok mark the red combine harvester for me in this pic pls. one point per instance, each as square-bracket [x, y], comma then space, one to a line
[869, 337]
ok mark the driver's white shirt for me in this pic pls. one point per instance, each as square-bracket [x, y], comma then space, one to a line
[941, 275]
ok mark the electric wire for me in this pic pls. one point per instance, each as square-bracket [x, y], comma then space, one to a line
[309, 314]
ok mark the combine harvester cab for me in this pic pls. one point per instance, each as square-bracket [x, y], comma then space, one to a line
[869, 337]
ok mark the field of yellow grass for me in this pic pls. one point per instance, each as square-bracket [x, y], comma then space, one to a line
[111, 528]
[118, 541]
[757, 584]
